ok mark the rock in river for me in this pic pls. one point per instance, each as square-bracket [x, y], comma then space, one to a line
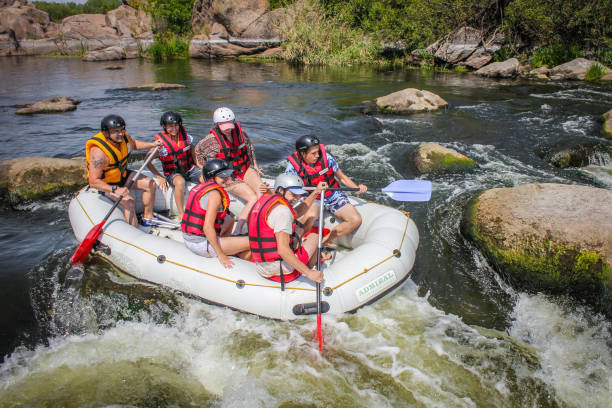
[432, 157]
[504, 69]
[50, 105]
[29, 178]
[409, 100]
[547, 237]
[157, 86]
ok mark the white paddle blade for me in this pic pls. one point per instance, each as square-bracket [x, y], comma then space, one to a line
[403, 196]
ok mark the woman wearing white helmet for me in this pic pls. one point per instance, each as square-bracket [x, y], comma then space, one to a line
[229, 142]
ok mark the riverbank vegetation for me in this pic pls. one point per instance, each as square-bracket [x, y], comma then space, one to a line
[59, 11]
[548, 31]
[171, 28]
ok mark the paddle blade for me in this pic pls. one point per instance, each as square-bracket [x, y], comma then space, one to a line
[409, 190]
[85, 248]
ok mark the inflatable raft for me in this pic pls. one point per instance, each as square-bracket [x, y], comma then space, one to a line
[370, 263]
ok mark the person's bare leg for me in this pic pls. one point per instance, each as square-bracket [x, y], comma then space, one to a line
[351, 220]
[127, 204]
[226, 227]
[243, 191]
[310, 217]
[253, 180]
[234, 245]
[179, 194]
[148, 186]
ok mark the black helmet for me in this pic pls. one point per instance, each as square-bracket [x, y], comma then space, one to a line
[306, 141]
[112, 121]
[216, 167]
[170, 117]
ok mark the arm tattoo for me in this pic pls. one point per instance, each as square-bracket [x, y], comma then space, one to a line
[97, 164]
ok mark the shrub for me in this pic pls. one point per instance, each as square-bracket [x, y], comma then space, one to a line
[172, 16]
[503, 54]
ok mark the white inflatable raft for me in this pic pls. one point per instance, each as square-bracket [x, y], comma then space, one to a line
[374, 260]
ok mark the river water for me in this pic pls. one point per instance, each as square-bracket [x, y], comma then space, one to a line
[455, 335]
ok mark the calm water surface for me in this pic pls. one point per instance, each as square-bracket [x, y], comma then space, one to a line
[455, 335]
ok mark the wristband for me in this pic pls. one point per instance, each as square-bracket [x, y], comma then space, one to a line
[114, 188]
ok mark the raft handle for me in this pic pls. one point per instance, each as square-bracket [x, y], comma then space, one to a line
[161, 259]
[240, 284]
[397, 253]
[310, 308]
[327, 291]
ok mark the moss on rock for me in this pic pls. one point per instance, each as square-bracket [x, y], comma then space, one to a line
[449, 162]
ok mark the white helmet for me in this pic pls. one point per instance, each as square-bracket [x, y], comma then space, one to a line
[223, 114]
[289, 182]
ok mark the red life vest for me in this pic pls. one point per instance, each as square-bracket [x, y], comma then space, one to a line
[236, 152]
[194, 216]
[179, 159]
[313, 175]
[262, 240]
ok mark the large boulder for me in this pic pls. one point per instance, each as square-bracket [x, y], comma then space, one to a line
[88, 27]
[607, 124]
[228, 28]
[50, 105]
[24, 30]
[573, 70]
[547, 237]
[434, 158]
[129, 22]
[409, 100]
[505, 69]
[107, 54]
[466, 47]
[28, 178]
[22, 21]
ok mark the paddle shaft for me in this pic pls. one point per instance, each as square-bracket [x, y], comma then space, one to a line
[319, 246]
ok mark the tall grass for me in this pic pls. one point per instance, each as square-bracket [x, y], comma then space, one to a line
[554, 55]
[595, 72]
[165, 47]
[316, 38]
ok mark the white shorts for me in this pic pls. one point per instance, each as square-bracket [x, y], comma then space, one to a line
[199, 245]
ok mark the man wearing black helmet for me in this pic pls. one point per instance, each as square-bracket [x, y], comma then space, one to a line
[207, 222]
[313, 164]
[177, 157]
[107, 156]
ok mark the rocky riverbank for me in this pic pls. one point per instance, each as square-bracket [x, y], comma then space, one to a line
[233, 28]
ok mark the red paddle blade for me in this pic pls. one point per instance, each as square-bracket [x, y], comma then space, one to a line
[85, 248]
[319, 333]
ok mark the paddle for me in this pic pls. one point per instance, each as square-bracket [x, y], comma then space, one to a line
[90, 239]
[320, 245]
[399, 190]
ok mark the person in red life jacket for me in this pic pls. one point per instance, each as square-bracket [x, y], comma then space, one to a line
[275, 234]
[207, 223]
[177, 157]
[228, 141]
[107, 156]
[312, 163]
